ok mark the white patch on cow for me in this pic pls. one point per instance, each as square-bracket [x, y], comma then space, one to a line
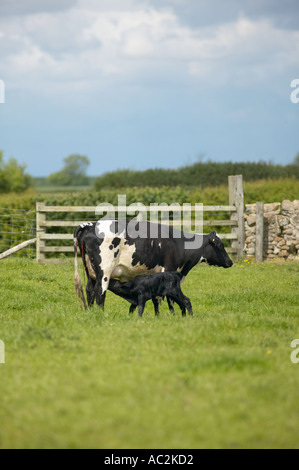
[160, 244]
[202, 260]
[108, 260]
[86, 224]
[124, 269]
[104, 226]
[118, 261]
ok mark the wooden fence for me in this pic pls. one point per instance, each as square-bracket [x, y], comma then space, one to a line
[235, 221]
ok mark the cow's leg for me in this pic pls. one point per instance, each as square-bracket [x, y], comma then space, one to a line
[90, 291]
[96, 287]
[100, 298]
[100, 292]
[101, 287]
[156, 305]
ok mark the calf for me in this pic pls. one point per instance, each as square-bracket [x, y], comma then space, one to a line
[150, 286]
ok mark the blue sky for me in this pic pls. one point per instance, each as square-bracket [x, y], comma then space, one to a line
[148, 83]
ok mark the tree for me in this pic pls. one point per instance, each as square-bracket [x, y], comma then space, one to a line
[73, 173]
[13, 176]
[4, 183]
[296, 159]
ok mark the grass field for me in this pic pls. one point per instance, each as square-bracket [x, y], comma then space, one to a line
[222, 379]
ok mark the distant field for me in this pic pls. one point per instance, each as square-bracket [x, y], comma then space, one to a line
[222, 379]
[62, 189]
[267, 190]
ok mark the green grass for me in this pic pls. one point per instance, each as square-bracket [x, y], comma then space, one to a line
[222, 379]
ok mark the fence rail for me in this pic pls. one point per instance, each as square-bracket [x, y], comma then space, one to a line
[132, 207]
[235, 211]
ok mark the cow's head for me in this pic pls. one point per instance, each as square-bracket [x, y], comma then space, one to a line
[214, 252]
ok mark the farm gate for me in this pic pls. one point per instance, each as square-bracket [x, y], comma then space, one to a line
[56, 224]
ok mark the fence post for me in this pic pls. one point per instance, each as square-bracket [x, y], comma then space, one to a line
[236, 198]
[259, 233]
[40, 218]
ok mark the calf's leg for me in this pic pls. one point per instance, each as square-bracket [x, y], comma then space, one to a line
[141, 305]
[170, 305]
[132, 308]
[188, 306]
[156, 305]
[183, 302]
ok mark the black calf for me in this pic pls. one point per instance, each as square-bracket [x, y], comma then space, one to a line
[150, 286]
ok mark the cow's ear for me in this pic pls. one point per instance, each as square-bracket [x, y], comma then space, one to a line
[212, 237]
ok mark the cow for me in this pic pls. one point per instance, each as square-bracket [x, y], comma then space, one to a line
[110, 250]
[150, 286]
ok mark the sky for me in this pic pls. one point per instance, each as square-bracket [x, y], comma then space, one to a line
[148, 83]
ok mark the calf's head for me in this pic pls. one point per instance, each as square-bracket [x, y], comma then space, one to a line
[214, 252]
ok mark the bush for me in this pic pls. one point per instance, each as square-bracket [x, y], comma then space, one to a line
[264, 190]
[13, 176]
[199, 174]
[73, 173]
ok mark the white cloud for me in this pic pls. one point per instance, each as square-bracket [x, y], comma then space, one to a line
[91, 43]
[245, 51]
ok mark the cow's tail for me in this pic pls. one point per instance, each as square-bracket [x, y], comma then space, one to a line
[78, 283]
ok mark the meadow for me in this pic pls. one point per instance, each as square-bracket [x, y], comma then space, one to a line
[92, 379]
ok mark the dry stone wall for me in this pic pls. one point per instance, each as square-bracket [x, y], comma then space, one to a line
[281, 230]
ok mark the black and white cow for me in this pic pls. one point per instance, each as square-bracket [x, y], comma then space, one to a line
[110, 250]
